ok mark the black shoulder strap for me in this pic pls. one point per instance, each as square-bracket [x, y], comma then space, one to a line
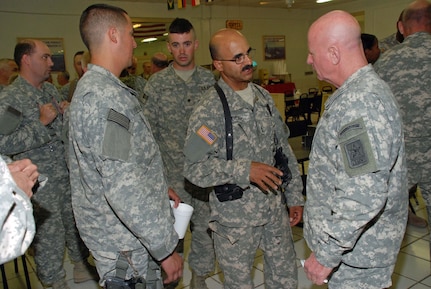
[228, 122]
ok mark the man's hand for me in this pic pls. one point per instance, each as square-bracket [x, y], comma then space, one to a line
[173, 267]
[63, 106]
[25, 175]
[295, 214]
[316, 272]
[47, 113]
[265, 176]
[174, 197]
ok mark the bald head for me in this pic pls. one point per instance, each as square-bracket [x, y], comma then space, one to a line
[335, 47]
[223, 39]
[416, 18]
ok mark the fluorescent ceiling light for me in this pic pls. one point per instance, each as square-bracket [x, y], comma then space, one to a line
[149, 39]
[323, 1]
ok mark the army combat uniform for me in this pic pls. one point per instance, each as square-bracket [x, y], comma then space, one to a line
[407, 70]
[169, 103]
[22, 135]
[16, 217]
[119, 190]
[258, 219]
[356, 209]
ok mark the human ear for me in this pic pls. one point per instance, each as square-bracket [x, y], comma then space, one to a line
[334, 54]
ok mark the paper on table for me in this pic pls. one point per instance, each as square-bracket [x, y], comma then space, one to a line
[303, 263]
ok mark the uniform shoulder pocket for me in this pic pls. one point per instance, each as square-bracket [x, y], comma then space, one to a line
[117, 137]
[10, 120]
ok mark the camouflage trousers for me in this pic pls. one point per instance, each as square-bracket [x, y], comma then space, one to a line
[418, 156]
[346, 277]
[55, 228]
[236, 251]
[201, 257]
[138, 261]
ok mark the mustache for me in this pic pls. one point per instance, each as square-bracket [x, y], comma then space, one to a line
[248, 66]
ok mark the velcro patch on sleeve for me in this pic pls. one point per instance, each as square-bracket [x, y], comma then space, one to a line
[117, 138]
[356, 149]
[10, 120]
[119, 118]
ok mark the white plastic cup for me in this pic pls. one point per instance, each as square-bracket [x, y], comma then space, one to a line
[182, 215]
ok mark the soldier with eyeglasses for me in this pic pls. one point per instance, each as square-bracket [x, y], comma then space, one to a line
[254, 216]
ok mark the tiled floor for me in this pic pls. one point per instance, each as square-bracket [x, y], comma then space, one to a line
[412, 269]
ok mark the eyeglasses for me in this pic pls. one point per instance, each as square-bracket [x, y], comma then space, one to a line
[239, 58]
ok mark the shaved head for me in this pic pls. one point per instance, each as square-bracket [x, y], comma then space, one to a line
[335, 47]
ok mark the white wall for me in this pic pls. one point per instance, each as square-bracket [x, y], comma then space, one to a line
[60, 19]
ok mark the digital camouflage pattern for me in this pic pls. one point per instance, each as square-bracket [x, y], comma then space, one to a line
[16, 217]
[22, 135]
[119, 191]
[137, 83]
[242, 225]
[356, 209]
[407, 70]
[169, 102]
[388, 42]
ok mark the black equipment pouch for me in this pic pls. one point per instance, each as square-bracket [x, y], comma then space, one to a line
[227, 192]
[119, 283]
[282, 163]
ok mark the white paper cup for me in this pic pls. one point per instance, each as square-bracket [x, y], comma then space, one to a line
[182, 215]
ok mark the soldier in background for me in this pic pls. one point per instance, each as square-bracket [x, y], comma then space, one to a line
[31, 125]
[119, 189]
[171, 94]
[8, 68]
[258, 219]
[67, 90]
[407, 70]
[356, 210]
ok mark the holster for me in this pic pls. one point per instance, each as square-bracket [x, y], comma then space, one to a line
[282, 163]
[228, 192]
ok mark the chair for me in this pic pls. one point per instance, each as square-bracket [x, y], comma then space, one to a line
[316, 105]
[297, 128]
[412, 195]
[302, 109]
[15, 262]
[327, 89]
[312, 91]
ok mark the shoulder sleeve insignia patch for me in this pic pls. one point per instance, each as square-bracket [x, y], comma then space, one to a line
[206, 134]
[356, 149]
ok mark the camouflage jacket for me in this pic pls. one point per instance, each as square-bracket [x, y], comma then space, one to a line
[169, 103]
[356, 206]
[407, 70]
[22, 135]
[119, 191]
[16, 217]
[254, 130]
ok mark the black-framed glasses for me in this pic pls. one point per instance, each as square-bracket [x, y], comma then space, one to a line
[239, 58]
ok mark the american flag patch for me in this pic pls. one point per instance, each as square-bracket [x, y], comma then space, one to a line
[206, 134]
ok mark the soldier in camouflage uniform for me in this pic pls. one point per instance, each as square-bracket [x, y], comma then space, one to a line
[171, 95]
[259, 219]
[119, 189]
[16, 213]
[407, 70]
[392, 40]
[356, 209]
[31, 127]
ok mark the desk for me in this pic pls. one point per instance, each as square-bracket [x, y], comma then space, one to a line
[301, 152]
[286, 88]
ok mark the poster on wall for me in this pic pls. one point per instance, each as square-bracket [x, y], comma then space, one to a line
[274, 47]
[57, 50]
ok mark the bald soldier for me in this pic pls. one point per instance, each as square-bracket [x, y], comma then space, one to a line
[356, 209]
[253, 215]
